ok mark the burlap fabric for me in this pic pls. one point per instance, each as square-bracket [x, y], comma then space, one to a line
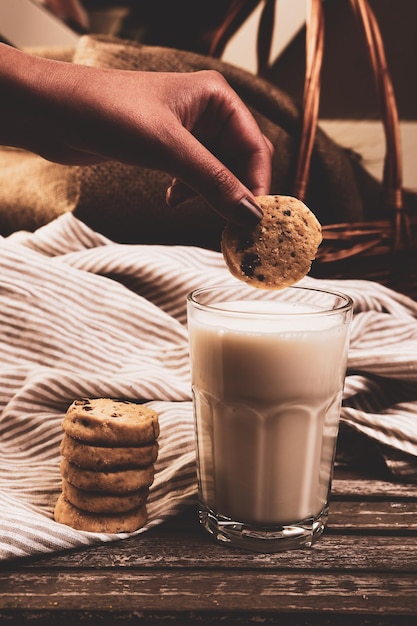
[127, 203]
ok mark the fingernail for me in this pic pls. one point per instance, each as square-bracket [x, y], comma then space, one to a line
[169, 198]
[246, 213]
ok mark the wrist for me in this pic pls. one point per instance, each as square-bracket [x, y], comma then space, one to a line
[33, 89]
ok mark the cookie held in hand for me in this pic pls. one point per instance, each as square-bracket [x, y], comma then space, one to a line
[279, 249]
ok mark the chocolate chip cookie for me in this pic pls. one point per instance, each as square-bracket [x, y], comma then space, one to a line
[67, 513]
[103, 421]
[279, 249]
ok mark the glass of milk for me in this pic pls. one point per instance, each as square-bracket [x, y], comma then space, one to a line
[268, 369]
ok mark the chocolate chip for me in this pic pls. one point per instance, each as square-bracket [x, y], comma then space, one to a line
[287, 213]
[82, 402]
[244, 244]
[249, 263]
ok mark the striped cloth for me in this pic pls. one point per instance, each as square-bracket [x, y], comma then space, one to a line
[84, 316]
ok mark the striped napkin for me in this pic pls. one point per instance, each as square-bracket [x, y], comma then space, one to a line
[82, 316]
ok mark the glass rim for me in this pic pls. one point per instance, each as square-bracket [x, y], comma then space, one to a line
[345, 305]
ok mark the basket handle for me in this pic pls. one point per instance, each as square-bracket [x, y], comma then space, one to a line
[392, 172]
[239, 10]
[311, 99]
[236, 13]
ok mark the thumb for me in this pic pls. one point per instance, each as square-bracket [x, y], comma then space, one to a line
[199, 172]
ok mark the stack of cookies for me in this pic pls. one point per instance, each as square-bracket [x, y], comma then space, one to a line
[109, 449]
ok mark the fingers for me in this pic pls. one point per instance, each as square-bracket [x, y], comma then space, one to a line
[224, 156]
[198, 171]
[246, 212]
[259, 170]
[240, 143]
[178, 193]
[203, 174]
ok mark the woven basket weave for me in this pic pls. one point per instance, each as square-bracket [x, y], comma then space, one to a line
[384, 250]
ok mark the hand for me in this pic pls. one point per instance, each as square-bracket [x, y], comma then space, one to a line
[190, 125]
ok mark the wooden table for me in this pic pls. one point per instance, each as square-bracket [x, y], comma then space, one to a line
[362, 571]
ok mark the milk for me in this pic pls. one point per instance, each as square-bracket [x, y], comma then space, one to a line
[267, 396]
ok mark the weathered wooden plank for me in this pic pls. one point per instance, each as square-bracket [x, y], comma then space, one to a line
[379, 516]
[199, 590]
[368, 489]
[177, 551]
[202, 618]
[362, 571]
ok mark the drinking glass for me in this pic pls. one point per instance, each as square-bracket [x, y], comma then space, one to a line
[268, 370]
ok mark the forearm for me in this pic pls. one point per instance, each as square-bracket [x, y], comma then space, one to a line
[75, 114]
[31, 89]
[190, 125]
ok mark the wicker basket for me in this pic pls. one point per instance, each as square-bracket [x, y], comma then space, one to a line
[383, 250]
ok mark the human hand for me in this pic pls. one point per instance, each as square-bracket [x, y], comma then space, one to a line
[190, 125]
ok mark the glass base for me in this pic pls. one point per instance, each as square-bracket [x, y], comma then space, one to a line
[263, 539]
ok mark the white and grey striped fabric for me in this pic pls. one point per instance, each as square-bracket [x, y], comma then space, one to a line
[83, 316]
